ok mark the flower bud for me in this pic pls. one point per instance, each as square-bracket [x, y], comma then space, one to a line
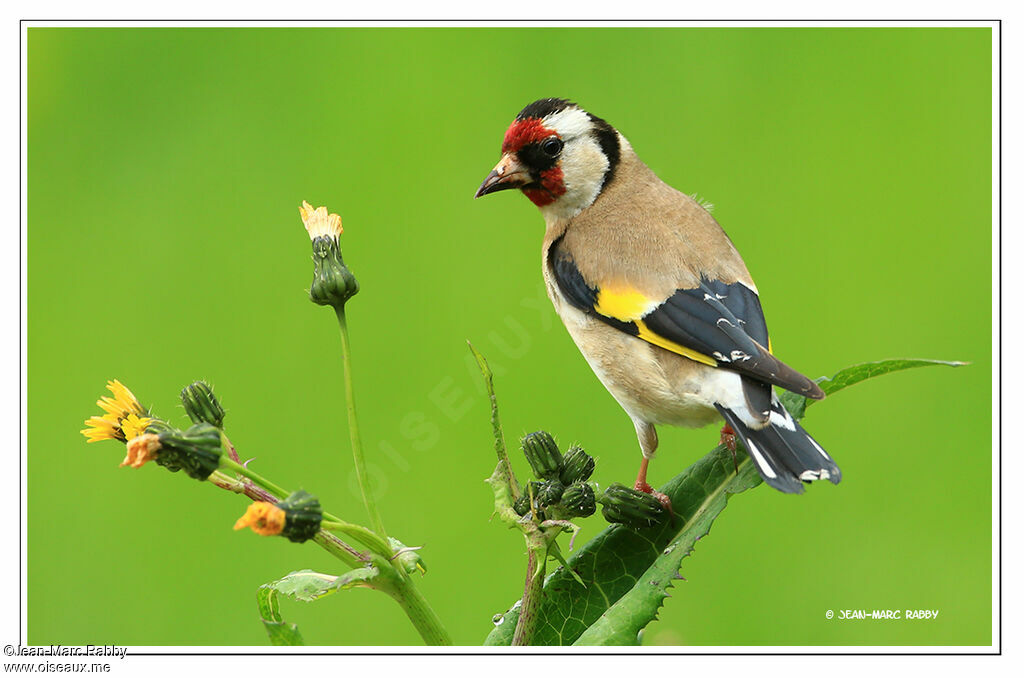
[543, 454]
[302, 516]
[621, 504]
[196, 451]
[550, 493]
[201, 404]
[578, 501]
[333, 284]
[577, 466]
[522, 505]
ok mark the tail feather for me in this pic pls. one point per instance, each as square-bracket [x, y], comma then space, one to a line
[783, 452]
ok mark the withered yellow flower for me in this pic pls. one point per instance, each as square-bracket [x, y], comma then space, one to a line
[264, 518]
[318, 222]
[141, 449]
[124, 404]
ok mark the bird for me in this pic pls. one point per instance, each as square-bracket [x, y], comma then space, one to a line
[654, 294]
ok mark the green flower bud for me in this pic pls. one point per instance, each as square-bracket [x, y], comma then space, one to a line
[543, 454]
[550, 493]
[201, 404]
[522, 505]
[577, 466]
[197, 451]
[302, 516]
[578, 501]
[333, 284]
[621, 504]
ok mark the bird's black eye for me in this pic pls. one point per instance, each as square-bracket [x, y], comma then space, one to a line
[552, 146]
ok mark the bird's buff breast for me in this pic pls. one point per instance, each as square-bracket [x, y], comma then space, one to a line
[650, 383]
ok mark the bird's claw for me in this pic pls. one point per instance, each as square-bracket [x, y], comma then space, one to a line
[641, 486]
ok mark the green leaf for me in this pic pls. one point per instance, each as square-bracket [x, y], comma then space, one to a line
[280, 631]
[306, 586]
[626, 618]
[503, 473]
[611, 564]
[627, 572]
[797, 404]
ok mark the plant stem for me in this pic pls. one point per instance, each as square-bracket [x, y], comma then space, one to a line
[367, 537]
[339, 549]
[273, 488]
[418, 610]
[532, 592]
[499, 437]
[353, 429]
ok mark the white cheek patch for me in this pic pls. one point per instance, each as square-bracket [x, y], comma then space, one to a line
[583, 166]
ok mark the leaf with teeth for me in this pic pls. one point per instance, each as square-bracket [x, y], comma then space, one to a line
[620, 578]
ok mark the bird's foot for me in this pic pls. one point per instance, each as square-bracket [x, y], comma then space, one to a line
[642, 486]
[728, 440]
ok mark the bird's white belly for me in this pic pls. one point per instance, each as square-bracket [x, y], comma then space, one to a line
[650, 383]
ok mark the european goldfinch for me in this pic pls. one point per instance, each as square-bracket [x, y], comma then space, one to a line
[654, 293]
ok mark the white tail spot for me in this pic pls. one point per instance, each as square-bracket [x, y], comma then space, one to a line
[761, 463]
[818, 448]
[783, 420]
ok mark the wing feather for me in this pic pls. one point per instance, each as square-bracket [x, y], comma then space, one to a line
[717, 323]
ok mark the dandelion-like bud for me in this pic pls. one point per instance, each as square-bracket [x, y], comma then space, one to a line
[550, 493]
[333, 284]
[196, 451]
[578, 501]
[577, 466]
[297, 517]
[542, 452]
[201, 404]
[522, 505]
[621, 504]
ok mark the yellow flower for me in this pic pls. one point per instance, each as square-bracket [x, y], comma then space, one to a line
[141, 449]
[134, 426]
[264, 518]
[124, 406]
[102, 428]
[318, 222]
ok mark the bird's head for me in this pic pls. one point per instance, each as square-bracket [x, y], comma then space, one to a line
[559, 155]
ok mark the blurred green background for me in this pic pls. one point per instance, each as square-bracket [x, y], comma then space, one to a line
[851, 166]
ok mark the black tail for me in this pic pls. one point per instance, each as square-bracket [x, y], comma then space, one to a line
[783, 452]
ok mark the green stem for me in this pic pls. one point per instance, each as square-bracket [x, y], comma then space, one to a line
[499, 437]
[353, 428]
[418, 610]
[227, 462]
[369, 538]
[532, 591]
[338, 549]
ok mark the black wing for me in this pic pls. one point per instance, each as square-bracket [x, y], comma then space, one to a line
[716, 323]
